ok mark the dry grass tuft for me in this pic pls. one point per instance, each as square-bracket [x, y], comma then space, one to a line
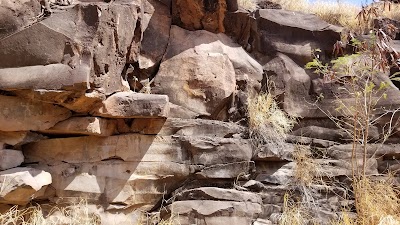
[76, 214]
[155, 219]
[377, 202]
[268, 123]
[342, 14]
[293, 213]
[307, 169]
[247, 4]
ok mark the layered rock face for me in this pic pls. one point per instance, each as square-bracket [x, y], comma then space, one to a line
[139, 105]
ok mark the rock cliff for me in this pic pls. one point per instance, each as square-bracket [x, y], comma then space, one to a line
[141, 106]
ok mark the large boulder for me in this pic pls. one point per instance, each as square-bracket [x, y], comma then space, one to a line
[21, 185]
[296, 34]
[18, 114]
[210, 65]
[87, 42]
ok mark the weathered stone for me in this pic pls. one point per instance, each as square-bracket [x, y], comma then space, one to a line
[202, 83]
[209, 212]
[19, 138]
[136, 147]
[217, 194]
[199, 15]
[117, 184]
[323, 133]
[84, 125]
[185, 43]
[147, 126]
[77, 101]
[82, 37]
[238, 26]
[21, 185]
[155, 37]
[294, 84]
[41, 77]
[10, 158]
[199, 127]
[293, 33]
[131, 147]
[226, 170]
[377, 150]
[14, 15]
[18, 114]
[206, 95]
[133, 105]
[177, 111]
[213, 150]
[272, 153]
[285, 175]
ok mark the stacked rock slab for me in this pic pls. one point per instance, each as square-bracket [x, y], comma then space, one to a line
[73, 125]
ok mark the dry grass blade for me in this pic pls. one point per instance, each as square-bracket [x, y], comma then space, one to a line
[377, 202]
[76, 214]
[293, 213]
[247, 4]
[307, 169]
[268, 124]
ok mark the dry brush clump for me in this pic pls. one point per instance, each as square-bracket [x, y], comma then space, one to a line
[75, 214]
[340, 12]
[268, 124]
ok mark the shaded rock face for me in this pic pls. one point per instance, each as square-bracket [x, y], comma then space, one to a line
[73, 125]
[93, 57]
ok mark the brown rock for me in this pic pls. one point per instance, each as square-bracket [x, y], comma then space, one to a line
[155, 37]
[200, 127]
[209, 212]
[19, 138]
[18, 114]
[14, 15]
[213, 150]
[10, 159]
[117, 184]
[147, 126]
[226, 170]
[199, 15]
[198, 87]
[81, 37]
[132, 147]
[295, 34]
[205, 95]
[294, 84]
[78, 101]
[84, 125]
[21, 185]
[41, 77]
[133, 105]
[217, 194]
